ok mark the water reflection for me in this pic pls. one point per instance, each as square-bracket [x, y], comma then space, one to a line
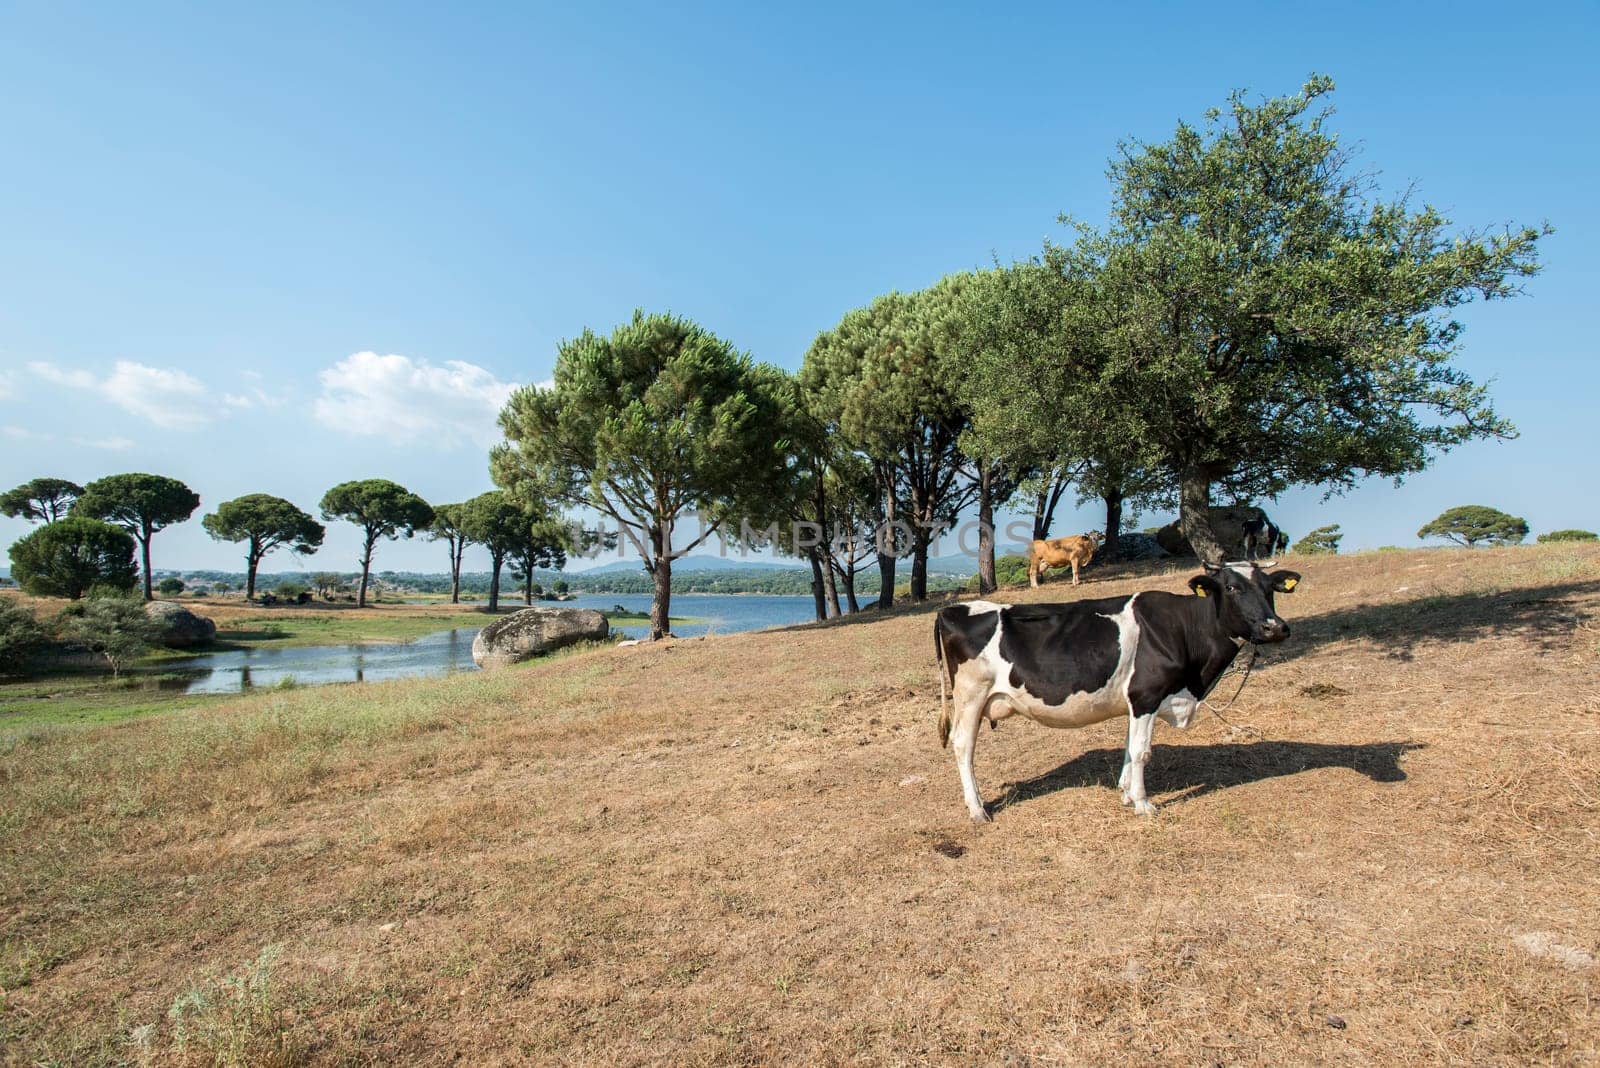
[439, 653]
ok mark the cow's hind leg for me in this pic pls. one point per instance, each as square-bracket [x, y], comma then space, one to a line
[1140, 730]
[969, 702]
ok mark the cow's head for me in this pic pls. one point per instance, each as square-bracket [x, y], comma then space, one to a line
[1242, 594]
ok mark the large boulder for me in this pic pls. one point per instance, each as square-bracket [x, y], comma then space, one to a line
[1139, 547]
[180, 628]
[535, 631]
[1227, 522]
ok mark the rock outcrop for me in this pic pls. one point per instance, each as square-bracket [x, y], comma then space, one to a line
[180, 628]
[535, 631]
[1139, 547]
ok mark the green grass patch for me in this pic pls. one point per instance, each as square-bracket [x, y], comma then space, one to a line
[89, 700]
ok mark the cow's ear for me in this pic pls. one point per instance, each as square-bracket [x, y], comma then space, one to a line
[1285, 581]
[1205, 586]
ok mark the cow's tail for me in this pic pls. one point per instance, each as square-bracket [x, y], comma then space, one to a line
[944, 683]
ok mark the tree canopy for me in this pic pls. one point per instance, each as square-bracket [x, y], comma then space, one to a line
[502, 526]
[264, 523]
[1322, 541]
[382, 509]
[1268, 321]
[142, 505]
[1473, 524]
[40, 500]
[656, 420]
[73, 555]
[884, 379]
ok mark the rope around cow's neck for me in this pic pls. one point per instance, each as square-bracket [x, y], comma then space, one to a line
[1255, 651]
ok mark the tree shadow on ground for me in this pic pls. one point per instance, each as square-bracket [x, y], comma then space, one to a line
[1195, 770]
[1544, 615]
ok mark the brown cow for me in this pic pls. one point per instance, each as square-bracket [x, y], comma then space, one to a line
[1061, 552]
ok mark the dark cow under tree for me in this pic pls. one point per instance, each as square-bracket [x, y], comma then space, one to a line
[1263, 535]
[1151, 655]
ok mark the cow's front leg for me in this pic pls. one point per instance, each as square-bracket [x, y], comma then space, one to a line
[1140, 731]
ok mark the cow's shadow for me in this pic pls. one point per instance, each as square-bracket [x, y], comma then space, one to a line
[1192, 771]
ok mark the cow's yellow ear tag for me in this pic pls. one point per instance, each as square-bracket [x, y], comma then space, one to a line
[1289, 584]
[1199, 591]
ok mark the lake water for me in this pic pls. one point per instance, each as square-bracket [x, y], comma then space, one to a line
[446, 651]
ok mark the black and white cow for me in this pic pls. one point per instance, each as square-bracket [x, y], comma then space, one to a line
[1152, 655]
[1263, 535]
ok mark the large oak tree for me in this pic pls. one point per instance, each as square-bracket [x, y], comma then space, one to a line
[1274, 321]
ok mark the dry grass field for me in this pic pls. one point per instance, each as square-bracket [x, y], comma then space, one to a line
[751, 849]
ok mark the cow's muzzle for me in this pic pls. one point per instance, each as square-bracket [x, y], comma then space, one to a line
[1273, 630]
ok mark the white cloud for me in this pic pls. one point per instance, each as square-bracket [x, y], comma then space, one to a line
[62, 377]
[112, 444]
[166, 397]
[408, 400]
[18, 433]
[8, 384]
[172, 399]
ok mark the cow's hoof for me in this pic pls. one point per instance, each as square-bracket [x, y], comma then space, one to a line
[1145, 808]
[982, 816]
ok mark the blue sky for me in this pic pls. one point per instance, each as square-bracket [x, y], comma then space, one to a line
[275, 248]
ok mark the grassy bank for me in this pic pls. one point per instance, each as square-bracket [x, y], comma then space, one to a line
[750, 849]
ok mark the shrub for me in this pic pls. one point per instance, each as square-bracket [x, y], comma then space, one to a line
[288, 591]
[1011, 570]
[67, 557]
[1569, 535]
[20, 634]
[114, 627]
[170, 586]
[1471, 524]
[1322, 541]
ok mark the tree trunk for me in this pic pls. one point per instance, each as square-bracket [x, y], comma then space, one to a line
[1194, 515]
[144, 548]
[527, 584]
[252, 560]
[455, 572]
[986, 576]
[850, 590]
[886, 559]
[832, 588]
[1044, 507]
[816, 584]
[1113, 529]
[366, 567]
[494, 581]
[661, 601]
[919, 564]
